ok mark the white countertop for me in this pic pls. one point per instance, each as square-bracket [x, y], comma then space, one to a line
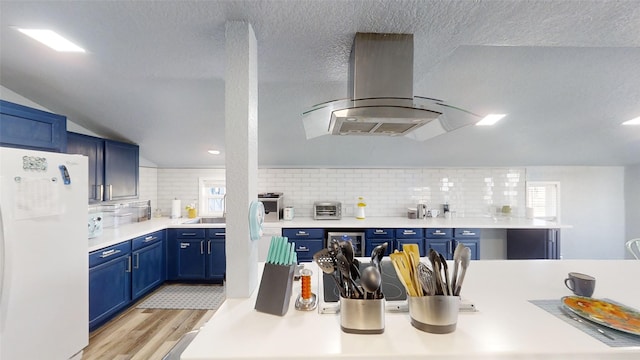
[440, 222]
[507, 325]
[112, 236]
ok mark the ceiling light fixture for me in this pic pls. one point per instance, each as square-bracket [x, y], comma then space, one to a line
[635, 121]
[490, 119]
[52, 40]
[214, 152]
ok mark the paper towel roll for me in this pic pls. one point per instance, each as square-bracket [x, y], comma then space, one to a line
[176, 209]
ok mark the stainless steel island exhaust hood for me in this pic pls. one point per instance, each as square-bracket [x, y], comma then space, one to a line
[381, 100]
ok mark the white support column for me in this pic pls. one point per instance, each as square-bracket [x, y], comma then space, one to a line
[241, 158]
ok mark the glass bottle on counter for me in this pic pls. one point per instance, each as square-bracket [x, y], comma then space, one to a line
[360, 205]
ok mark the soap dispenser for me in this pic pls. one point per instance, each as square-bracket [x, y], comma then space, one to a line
[360, 208]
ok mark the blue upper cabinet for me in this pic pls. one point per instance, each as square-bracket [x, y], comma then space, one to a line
[28, 128]
[113, 167]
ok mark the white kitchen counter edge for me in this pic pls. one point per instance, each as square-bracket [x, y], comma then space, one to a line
[112, 236]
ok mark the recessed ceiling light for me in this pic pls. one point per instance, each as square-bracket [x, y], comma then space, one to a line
[635, 121]
[490, 119]
[52, 40]
[214, 152]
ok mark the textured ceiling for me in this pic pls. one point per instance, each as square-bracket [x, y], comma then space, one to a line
[566, 72]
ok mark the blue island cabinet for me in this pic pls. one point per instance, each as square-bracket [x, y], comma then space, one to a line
[149, 270]
[216, 254]
[378, 236]
[109, 282]
[28, 128]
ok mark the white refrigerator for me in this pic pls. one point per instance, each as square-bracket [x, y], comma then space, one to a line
[44, 296]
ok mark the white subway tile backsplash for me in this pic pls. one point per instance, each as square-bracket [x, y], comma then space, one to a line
[388, 192]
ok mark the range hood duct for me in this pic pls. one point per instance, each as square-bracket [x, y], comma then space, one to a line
[381, 100]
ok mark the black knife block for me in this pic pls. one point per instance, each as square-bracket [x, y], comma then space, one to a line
[274, 293]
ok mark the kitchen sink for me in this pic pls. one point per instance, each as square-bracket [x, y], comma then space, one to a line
[207, 220]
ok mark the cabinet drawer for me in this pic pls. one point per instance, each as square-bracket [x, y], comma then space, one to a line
[188, 233]
[467, 233]
[103, 255]
[379, 233]
[216, 233]
[147, 240]
[409, 233]
[308, 247]
[303, 233]
[439, 233]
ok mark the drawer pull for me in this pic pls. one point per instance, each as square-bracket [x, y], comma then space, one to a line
[188, 234]
[468, 233]
[409, 232]
[221, 234]
[378, 231]
[302, 233]
[438, 232]
[302, 248]
[149, 238]
[106, 254]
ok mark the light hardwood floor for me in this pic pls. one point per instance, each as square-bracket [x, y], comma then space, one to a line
[144, 334]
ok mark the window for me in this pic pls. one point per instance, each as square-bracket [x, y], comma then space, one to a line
[212, 196]
[544, 198]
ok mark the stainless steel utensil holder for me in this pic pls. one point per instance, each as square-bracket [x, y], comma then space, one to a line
[360, 316]
[434, 314]
[274, 293]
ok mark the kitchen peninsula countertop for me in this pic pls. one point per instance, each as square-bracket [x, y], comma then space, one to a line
[506, 326]
[112, 236]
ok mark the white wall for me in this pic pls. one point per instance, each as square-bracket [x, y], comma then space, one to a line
[592, 201]
[632, 202]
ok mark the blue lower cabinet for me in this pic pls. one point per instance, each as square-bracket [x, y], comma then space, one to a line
[371, 244]
[216, 254]
[474, 245]
[109, 283]
[148, 269]
[191, 262]
[307, 242]
[398, 243]
[442, 246]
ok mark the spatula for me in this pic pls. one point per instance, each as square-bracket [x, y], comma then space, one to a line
[413, 252]
[402, 269]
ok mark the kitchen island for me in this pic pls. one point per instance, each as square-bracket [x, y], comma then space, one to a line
[506, 325]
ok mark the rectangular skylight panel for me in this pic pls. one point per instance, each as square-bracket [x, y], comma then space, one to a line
[52, 40]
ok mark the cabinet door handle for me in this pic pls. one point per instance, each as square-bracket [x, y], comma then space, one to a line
[106, 254]
[137, 265]
[149, 238]
[450, 246]
[101, 192]
[209, 247]
[110, 188]
[128, 264]
[201, 247]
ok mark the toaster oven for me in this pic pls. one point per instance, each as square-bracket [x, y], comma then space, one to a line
[327, 210]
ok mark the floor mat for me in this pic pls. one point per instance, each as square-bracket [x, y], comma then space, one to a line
[195, 297]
